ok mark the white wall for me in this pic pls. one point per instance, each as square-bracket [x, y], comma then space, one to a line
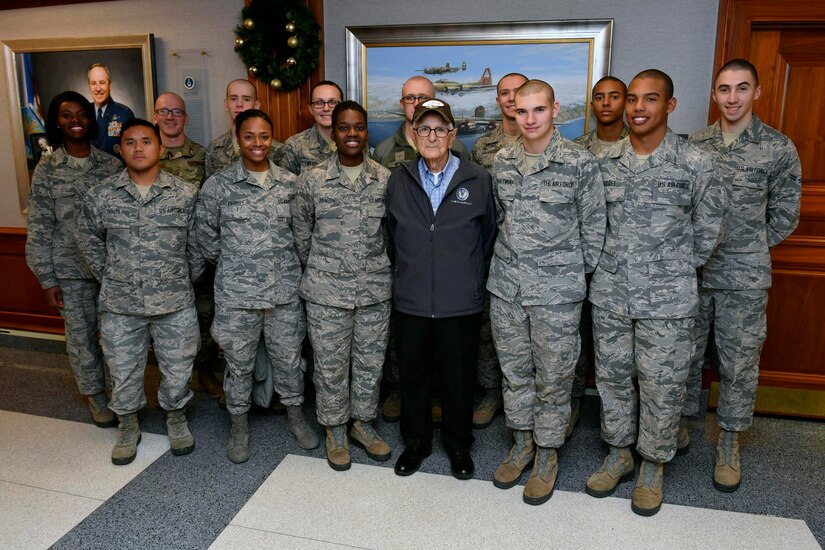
[176, 25]
[676, 36]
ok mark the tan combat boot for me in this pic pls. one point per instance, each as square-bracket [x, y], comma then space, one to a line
[683, 438]
[338, 448]
[436, 411]
[180, 439]
[102, 416]
[392, 406]
[298, 428]
[490, 405]
[364, 435]
[542, 480]
[125, 449]
[646, 499]
[238, 447]
[727, 473]
[521, 455]
[575, 413]
[616, 468]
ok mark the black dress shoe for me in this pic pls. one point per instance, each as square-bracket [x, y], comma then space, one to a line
[410, 460]
[461, 464]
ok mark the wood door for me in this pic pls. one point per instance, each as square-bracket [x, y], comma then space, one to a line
[786, 43]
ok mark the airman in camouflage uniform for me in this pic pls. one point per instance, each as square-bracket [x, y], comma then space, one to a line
[551, 229]
[664, 212]
[224, 150]
[142, 248]
[488, 373]
[245, 226]
[52, 255]
[186, 159]
[314, 145]
[764, 174]
[607, 106]
[340, 230]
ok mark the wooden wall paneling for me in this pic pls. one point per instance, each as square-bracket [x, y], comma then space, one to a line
[22, 304]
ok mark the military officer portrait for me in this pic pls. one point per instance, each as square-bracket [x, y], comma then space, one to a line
[136, 235]
[340, 226]
[109, 114]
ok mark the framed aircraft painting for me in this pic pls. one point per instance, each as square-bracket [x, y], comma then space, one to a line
[466, 60]
[36, 70]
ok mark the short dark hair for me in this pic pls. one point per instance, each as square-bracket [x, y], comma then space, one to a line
[508, 75]
[609, 79]
[656, 74]
[132, 122]
[251, 113]
[326, 83]
[738, 64]
[347, 106]
[53, 133]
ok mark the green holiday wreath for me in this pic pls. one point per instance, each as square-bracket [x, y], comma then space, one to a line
[278, 42]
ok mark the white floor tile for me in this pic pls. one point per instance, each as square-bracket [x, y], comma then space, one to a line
[241, 538]
[32, 518]
[69, 457]
[371, 507]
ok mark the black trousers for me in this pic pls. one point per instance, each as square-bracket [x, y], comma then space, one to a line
[449, 347]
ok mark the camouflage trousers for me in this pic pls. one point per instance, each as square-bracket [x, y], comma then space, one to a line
[658, 351]
[538, 347]
[586, 355]
[82, 345]
[390, 369]
[238, 332]
[740, 325]
[205, 306]
[345, 339]
[126, 347]
[488, 373]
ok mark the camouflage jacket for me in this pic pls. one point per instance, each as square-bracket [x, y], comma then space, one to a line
[551, 224]
[246, 228]
[220, 154]
[186, 162]
[51, 245]
[304, 150]
[663, 221]
[395, 150]
[764, 176]
[591, 142]
[142, 250]
[341, 233]
[488, 145]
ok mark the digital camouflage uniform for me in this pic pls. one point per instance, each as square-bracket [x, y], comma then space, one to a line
[52, 255]
[304, 150]
[222, 152]
[763, 175]
[591, 143]
[188, 162]
[145, 255]
[395, 151]
[663, 221]
[341, 234]
[246, 227]
[551, 228]
[488, 374]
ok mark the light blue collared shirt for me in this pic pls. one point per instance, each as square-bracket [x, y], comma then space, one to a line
[435, 185]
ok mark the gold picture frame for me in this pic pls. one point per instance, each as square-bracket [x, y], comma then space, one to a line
[68, 59]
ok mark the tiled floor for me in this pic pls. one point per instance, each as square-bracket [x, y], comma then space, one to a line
[54, 473]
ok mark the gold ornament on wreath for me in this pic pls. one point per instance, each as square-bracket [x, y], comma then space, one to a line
[278, 41]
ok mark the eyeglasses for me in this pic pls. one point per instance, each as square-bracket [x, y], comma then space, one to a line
[410, 99]
[175, 112]
[425, 131]
[319, 103]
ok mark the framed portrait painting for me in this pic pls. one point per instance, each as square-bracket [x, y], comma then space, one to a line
[36, 70]
[465, 61]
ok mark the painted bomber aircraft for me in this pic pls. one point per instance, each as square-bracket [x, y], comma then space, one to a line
[451, 87]
[446, 68]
